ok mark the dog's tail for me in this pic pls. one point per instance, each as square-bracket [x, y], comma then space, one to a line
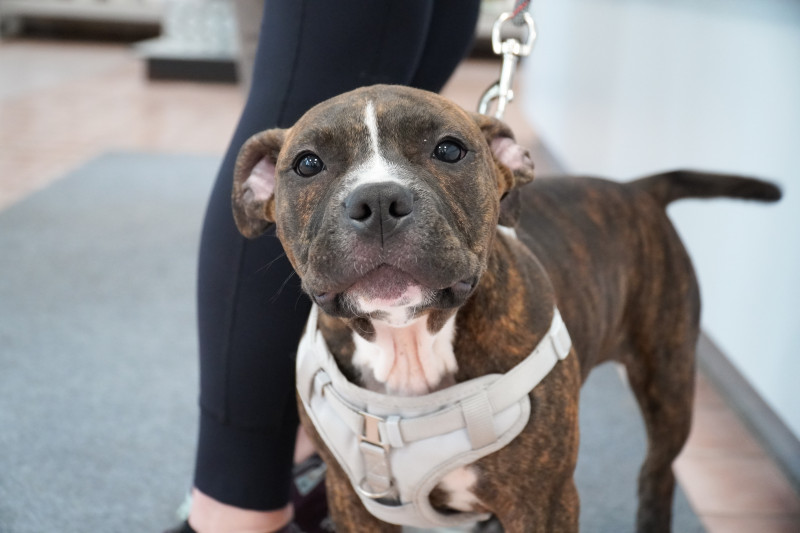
[679, 184]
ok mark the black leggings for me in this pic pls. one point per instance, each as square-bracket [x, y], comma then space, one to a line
[251, 310]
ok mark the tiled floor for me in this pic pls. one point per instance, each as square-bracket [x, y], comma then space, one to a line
[61, 104]
[732, 484]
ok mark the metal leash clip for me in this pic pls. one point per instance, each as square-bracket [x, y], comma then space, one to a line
[511, 49]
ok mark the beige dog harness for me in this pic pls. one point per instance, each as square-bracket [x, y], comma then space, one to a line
[395, 450]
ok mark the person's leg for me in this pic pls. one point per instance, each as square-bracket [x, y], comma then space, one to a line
[251, 311]
[450, 35]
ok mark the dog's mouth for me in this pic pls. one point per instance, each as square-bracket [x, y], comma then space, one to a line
[387, 288]
[382, 288]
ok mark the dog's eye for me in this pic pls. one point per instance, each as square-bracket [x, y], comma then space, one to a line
[449, 151]
[308, 165]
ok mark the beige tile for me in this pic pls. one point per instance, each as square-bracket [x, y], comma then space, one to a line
[752, 524]
[723, 485]
[730, 481]
[706, 396]
[64, 60]
[718, 431]
[106, 104]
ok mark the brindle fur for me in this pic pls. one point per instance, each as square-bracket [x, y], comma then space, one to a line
[605, 253]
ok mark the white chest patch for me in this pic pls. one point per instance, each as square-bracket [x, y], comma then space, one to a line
[407, 360]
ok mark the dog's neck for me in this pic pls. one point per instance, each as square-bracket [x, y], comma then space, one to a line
[407, 360]
[438, 349]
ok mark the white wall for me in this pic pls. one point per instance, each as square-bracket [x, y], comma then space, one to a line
[623, 88]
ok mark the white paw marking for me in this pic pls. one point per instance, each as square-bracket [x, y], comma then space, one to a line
[459, 484]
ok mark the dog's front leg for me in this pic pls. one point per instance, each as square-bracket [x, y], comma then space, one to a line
[542, 498]
[555, 512]
[345, 507]
[540, 462]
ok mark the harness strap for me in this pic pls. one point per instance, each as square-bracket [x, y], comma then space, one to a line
[521, 379]
[367, 431]
[377, 483]
[479, 419]
[519, 11]
[499, 395]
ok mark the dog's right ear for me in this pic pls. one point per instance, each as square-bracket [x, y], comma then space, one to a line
[514, 166]
[254, 182]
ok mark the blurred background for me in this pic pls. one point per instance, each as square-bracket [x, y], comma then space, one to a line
[614, 88]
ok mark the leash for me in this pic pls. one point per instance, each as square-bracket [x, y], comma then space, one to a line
[511, 49]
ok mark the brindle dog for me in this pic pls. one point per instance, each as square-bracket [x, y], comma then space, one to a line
[387, 201]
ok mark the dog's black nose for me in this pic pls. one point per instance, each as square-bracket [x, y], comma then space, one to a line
[378, 208]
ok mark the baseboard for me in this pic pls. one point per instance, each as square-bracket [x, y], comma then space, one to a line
[768, 428]
[192, 69]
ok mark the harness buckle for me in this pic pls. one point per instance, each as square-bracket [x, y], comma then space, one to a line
[378, 483]
[371, 433]
[387, 496]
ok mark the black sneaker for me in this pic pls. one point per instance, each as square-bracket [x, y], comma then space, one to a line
[309, 496]
[181, 528]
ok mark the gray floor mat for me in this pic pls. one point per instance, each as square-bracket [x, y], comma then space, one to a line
[98, 371]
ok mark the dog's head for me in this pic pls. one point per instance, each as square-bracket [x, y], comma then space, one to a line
[386, 199]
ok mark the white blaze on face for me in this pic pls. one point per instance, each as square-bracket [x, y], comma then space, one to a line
[371, 120]
[376, 168]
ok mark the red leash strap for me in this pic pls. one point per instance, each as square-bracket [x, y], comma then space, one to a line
[520, 8]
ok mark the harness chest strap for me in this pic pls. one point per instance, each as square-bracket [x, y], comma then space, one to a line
[473, 409]
[382, 425]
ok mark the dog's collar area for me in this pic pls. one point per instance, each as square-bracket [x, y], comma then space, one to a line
[392, 447]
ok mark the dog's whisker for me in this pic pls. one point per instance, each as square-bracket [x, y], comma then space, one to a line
[283, 285]
[268, 265]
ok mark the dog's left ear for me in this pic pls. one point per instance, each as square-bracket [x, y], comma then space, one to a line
[254, 182]
[513, 162]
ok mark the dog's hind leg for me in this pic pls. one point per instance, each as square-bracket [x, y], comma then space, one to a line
[661, 321]
[663, 383]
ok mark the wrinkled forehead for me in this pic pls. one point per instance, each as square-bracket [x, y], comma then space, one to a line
[394, 113]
